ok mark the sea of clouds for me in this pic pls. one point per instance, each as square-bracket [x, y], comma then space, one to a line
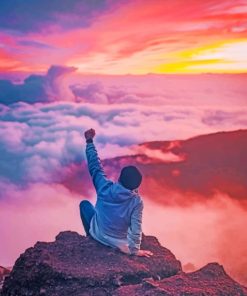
[42, 121]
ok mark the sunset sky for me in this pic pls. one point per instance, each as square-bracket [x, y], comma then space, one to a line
[124, 68]
[124, 37]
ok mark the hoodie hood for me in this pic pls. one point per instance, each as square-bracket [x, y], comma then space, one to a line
[120, 193]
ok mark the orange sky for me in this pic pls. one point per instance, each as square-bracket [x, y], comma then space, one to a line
[131, 37]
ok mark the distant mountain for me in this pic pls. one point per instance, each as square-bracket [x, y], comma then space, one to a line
[199, 166]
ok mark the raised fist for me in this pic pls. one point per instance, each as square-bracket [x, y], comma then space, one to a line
[89, 134]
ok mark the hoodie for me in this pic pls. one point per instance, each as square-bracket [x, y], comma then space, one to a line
[117, 221]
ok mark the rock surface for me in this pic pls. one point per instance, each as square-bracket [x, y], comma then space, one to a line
[210, 280]
[78, 265]
[4, 272]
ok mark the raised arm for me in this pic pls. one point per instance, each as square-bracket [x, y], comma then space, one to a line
[94, 164]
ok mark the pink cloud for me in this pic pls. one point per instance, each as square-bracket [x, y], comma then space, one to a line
[159, 155]
[35, 213]
[202, 233]
[11, 134]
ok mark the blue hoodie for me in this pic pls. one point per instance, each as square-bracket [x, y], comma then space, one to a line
[117, 221]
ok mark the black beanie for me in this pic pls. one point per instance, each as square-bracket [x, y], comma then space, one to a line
[130, 177]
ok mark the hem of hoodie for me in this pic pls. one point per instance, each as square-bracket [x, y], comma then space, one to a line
[124, 249]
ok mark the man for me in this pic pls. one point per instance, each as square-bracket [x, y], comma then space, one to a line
[116, 220]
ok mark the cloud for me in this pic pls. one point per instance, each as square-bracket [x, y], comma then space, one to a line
[35, 213]
[63, 84]
[93, 92]
[216, 117]
[202, 232]
[35, 44]
[97, 92]
[39, 142]
[48, 137]
[37, 16]
[159, 155]
[37, 88]
[192, 90]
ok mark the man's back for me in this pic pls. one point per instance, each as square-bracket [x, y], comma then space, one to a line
[114, 208]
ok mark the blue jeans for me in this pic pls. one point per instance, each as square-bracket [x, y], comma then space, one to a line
[87, 211]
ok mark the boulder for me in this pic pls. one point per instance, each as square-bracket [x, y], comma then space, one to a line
[77, 265]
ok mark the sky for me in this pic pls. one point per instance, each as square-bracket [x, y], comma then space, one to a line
[123, 68]
[124, 37]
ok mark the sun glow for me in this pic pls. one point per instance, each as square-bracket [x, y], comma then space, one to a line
[220, 57]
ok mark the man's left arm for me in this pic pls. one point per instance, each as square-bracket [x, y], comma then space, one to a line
[134, 233]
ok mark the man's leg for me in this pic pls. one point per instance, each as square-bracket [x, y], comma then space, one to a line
[87, 211]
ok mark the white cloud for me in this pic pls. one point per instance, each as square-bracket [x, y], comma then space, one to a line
[230, 56]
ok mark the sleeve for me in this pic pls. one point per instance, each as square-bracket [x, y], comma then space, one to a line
[135, 230]
[95, 167]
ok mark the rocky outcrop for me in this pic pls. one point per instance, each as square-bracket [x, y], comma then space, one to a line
[210, 280]
[4, 272]
[78, 265]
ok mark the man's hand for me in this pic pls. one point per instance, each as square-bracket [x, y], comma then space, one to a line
[144, 253]
[89, 134]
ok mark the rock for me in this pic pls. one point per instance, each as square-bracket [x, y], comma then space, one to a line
[4, 272]
[211, 280]
[78, 265]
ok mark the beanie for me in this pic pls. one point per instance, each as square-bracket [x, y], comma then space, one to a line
[130, 177]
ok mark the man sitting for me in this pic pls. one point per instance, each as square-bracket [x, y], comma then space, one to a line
[116, 219]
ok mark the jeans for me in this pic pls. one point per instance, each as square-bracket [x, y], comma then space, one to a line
[87, 211]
